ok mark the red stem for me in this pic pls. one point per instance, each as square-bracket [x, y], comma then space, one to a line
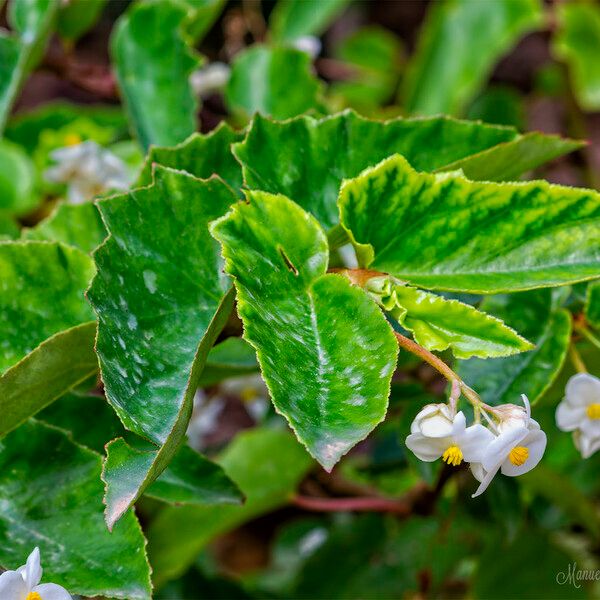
[352, 504]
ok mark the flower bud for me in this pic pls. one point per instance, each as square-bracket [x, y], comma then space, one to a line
[510, 416]
[434, 420]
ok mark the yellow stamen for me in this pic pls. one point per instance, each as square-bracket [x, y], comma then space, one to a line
[453, 456]
[33, 596]
[71, 139]
[248, 394]
[518, 455]
[593, 411]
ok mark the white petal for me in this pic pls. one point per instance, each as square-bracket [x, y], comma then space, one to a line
[478, 471]
[593, 447]
[487, 479]
[68, 153]
[427, 448]
[436, 426]
[433, 420]
[459, 424]
[12, 586]
[427, 411]
[51, 591]
[32, 571]
[590, 427]
[586, 445]
[510, 416]
[499, 449]
[536, 443]
[309, 44]
[210, 79]
[568, 417]
[527, 405]
[582, 389]
[474, 442]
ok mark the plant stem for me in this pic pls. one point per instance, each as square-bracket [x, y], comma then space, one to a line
[428, 357]
[337, 237]
[358, 277]
[364, 504]
[587, 334]
[576, 359]
[440, 366]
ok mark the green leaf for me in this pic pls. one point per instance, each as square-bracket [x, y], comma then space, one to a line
[30, 128]
[266, 464]
[41, 294]
[592, 304]
[460, 43]
[446, 232]
[193, 479]
[51, 497]
[78, 16]
[307, 159]
[497, 578]
[17, 181]
[9, 229]
[74, 411]
[201, 16]
[351, 547]
[538, 316]
[161, 301]
[200, 155]
[47, 339]
[232, 358]
[509, 160]
[292, 19]
[577, 42]
[325, 350]
[374, 56]
[439, 324]
[78, 225]
[499, 104]
[11, 74]
[560, 490]
[189, 479]
[273, 81]
[295, 541]
[375, 556]
[31, 21]
[58, 364]
[153, 65]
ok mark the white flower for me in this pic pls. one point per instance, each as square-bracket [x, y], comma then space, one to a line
[309, 44]
[88, 170]
[433, 420]
[580, 412]
[23, 584]
[210, 79]
[462, 442]
[517, 450]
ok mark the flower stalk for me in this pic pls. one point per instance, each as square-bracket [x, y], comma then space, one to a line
[576, 359]
[586, 333]
[458, 385]
[360, 278]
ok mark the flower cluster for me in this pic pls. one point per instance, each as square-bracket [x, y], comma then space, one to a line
[24, 583]
[88, 170]
[513, 442]
[579, 412]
